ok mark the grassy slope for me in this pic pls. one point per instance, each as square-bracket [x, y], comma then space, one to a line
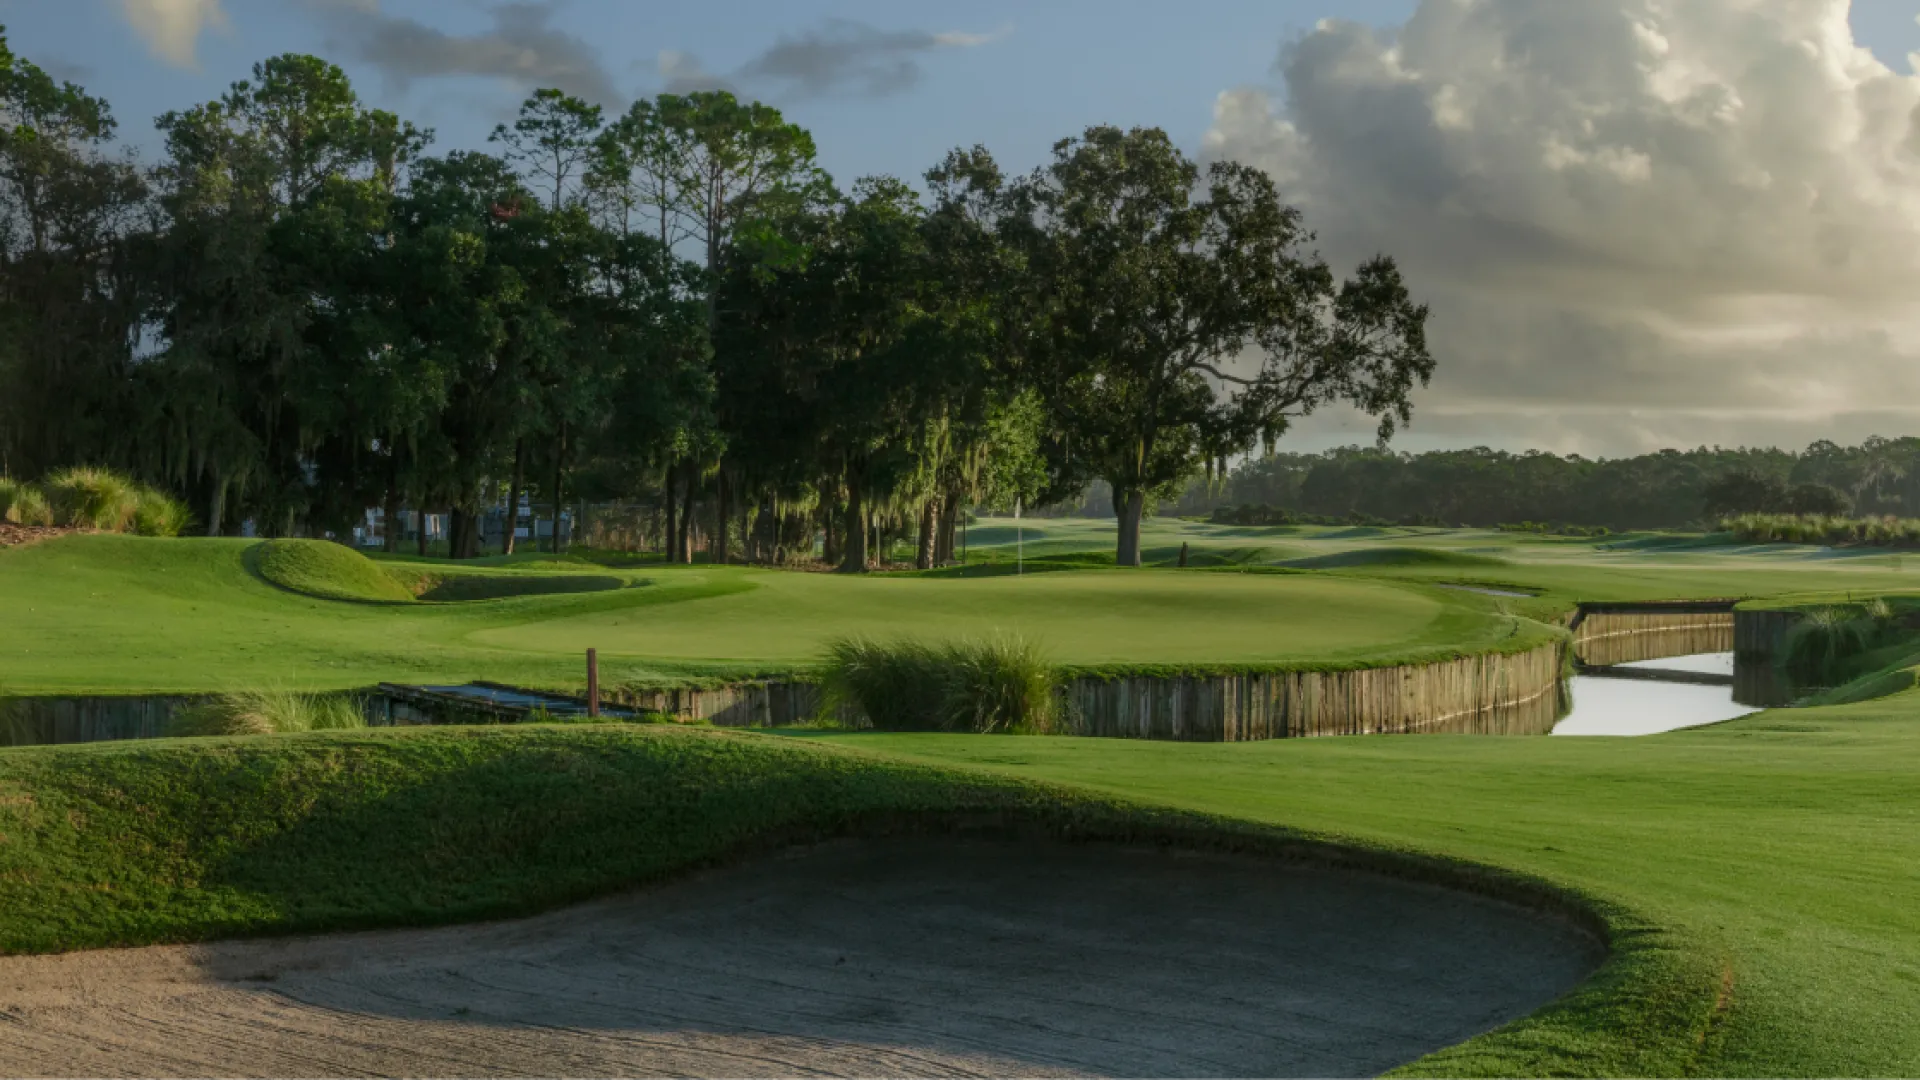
[116, 844]
[1787, 843]
[328, 571]
[120, 614]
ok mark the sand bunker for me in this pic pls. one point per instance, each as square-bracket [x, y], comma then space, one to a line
[924, 956]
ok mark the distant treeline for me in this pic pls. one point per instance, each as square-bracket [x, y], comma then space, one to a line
[1486, 488]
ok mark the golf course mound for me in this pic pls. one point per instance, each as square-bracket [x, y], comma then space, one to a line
[854, 957]
[327, 570]
[1395, 556]
[453, 586]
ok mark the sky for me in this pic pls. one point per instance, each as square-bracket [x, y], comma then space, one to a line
[1639, 223]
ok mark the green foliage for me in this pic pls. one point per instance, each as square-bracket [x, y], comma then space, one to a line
[268, 712]
[23, 504]
[84, 497]
[155, 513]
[1817, 529]
[327, 570]
[997, 684]
[1825, 641]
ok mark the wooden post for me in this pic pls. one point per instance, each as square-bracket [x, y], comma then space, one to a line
[593, 682]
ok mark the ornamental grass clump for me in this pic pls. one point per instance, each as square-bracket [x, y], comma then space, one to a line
[268, 712]
[999, 684]
[23, 504]
[156, 513]
[1822, 643]
[88, 498]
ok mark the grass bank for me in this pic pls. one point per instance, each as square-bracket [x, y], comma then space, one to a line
[1784, 847]
[186, 840]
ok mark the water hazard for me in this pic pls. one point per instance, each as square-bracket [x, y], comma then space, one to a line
[1617, 705]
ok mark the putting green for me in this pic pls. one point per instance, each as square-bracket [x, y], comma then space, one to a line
[112, 614]
[1083, 618]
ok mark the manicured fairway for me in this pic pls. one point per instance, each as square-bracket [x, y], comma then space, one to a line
[1089, 617]
[121, 614]
[1786, 846]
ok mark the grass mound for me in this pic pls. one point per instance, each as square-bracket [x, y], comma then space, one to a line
[450, 586]
[327, 570]
[1394, 556]
[998, 684]
[268, 712]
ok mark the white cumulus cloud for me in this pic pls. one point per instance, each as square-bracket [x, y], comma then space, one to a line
[172, 28]
[1641, 223]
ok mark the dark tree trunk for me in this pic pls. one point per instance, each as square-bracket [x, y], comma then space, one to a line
[686, 517]
[929, 522]
[559, 476]
[1128, 506]
[456, 533]
[720, 510]
[673, 514]
[949, 517]
[420, 523]
[513, 495]
[217, 505]
[830, 526]
[854, 559]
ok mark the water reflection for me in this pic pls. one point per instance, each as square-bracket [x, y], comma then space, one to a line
[1604, 706]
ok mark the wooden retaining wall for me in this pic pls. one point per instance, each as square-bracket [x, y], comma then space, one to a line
[43, 721]
[1607, 634]
[1759, 645]
[1516, 694]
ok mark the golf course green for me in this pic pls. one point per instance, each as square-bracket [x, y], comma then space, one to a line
[1758, 880]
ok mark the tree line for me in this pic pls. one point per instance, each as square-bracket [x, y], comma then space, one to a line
[1485, 488]
[300, 313]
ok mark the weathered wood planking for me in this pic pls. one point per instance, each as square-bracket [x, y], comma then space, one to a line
[1607, 634]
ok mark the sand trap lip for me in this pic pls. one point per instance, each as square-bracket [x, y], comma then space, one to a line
[924, 957]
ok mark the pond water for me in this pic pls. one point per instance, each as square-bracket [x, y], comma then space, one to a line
[1605, 706]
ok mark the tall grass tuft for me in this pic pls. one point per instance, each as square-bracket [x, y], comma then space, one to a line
[156, 513]
[1000, 684]
[23, 504]
[1823, 529]
[1823, 642]
[268, 712]
[88, 498]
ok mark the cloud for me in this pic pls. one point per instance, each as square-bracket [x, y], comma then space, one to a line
[1640, 223]
[172, 28]
[522, 48]
[682, 73]
[837, 57]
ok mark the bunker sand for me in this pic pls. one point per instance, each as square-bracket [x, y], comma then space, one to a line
[925, 957]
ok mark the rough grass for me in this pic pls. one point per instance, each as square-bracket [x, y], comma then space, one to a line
[1002, 683]
[132, 844]
[327, 570]
[268, 712]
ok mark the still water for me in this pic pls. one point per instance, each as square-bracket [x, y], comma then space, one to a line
[1603, 706]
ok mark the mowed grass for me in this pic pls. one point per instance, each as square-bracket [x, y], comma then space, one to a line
[1782, 849]
[182, 840]
[106, 614]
